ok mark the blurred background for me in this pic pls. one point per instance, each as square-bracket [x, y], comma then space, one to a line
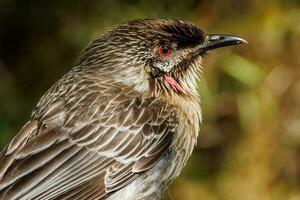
[249, 146]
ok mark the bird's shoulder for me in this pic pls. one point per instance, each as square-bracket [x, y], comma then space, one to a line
[87, 95]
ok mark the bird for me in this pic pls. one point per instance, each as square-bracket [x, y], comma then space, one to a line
[121, 124]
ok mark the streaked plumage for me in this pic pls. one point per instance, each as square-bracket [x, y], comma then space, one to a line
[111, 128]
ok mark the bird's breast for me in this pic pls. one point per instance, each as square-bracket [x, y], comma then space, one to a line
[185, 138]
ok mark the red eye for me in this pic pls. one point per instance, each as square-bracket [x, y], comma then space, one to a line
[164, 51]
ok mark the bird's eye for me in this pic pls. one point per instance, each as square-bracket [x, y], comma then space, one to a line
[164, 51]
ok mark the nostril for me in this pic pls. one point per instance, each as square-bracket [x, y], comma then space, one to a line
[215, 38]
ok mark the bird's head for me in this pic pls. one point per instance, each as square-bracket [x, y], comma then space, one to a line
[154, 55]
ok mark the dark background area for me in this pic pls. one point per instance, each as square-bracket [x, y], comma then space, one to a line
[249, 145]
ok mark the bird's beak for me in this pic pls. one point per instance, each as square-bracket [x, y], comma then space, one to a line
[214, 41]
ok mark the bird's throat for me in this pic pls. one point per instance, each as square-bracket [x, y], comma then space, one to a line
[173, 83]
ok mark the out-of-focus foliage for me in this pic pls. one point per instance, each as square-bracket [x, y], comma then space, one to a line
[249, 146]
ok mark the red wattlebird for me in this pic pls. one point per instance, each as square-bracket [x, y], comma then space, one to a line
[121, 124]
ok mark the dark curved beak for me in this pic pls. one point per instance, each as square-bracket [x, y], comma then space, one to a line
[214, 41]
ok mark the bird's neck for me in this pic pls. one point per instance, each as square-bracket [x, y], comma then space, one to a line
[187, 101]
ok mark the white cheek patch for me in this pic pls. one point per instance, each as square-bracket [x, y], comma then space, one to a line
[167, 65]
[164, 66]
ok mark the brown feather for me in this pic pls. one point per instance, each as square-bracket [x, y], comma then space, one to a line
[111, 121]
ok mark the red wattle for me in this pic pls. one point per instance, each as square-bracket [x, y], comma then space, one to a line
[173, 83]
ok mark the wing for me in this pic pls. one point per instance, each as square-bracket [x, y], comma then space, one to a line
[103, 146]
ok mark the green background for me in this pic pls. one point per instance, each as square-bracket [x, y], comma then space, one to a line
[249, 146]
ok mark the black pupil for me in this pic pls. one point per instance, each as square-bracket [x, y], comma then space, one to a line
[165, 50]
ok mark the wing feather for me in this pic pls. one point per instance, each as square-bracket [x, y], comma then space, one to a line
[90, 154]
